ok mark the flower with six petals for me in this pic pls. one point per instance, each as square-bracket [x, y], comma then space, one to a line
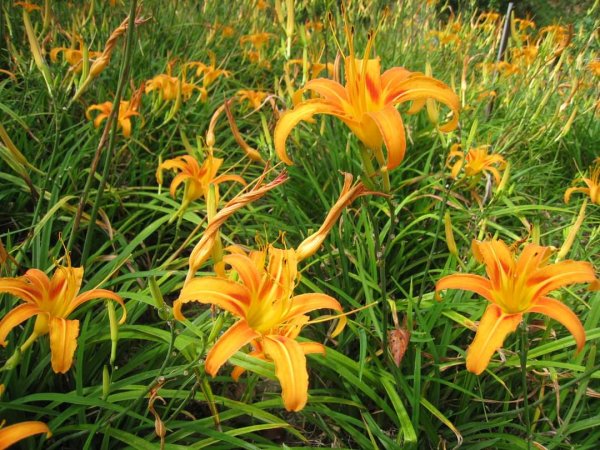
[52, 300]
[367, 104]
[197, 178]
[270, 315]
[515, 286]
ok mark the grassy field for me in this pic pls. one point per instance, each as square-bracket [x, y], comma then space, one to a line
[303, 262]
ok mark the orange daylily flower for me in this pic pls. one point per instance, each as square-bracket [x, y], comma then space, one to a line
[258, 40]
[168, 87]
[270, 315]
[210, 72]
[366, 104]
[12, 434]
[515, 286]
[254, 98]
[478, 161]
[29, 7]
[127, 109]
[197, 178]
[592, 183]
[594, 67]
[526, 54]
[504, 68]
[52, 300]
[72, 56]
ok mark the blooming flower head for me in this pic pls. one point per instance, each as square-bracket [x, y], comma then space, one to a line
[257, 40]
[209, 72]
[516, 285]
[594, 67]
[72, 56]
[12, 434]
[253, 98]
[525, 55]
[478, 161]
[197, 178]
[366, 104]
[127, 110]
[592, 183]
[260, 292]
[504, 68]
[52, 300]
[168, 87]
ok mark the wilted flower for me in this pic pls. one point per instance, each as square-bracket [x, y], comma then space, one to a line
[516, 285]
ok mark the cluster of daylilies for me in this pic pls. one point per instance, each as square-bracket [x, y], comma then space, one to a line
[257, 287]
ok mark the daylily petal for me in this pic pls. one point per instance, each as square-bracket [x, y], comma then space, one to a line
[221, 178]
[94, 294]
[294, 116]
[329, 90]
[467, 282]
[562, 313]
[225, 294]
[63, 342]
[15, 317]
[570, 191]
[419, 87]
[228, 344]
[14, 433]
[17, 287]
[562, 274]
[290, 369]
[491, 332]
[246, 270]
[391, 127]
[304, 303]
[310, 348]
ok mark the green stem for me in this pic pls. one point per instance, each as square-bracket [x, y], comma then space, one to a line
[125, 66]
[524, 348]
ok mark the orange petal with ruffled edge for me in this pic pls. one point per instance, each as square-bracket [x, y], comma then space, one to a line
[290, 369]
[291, 118]
[466, 282]
[225, 294]
[304, 303]
[15, 317]
[562, 274]
[228, 344]
[96, 294]
[14, 433]
[63, 342]
[563, 314]
[491, 332]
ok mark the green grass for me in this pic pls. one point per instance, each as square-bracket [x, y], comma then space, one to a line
[379, 250]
